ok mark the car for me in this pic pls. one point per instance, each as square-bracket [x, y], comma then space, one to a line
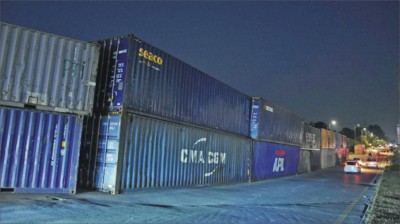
[359, 161]
[372, 163]
[352, 166]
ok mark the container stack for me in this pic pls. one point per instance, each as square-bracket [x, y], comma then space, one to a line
[328, 148]
[120, 115]
[46, 87]
[310, 151]
[277, 136]
[159, 122]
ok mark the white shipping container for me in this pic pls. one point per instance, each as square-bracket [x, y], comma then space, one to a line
[47, 72]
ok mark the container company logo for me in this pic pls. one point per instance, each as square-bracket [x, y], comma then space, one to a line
[310, 139]
[194, 156]
[150, 59]
[279, 164]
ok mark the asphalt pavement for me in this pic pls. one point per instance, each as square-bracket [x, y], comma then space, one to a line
[324, 196]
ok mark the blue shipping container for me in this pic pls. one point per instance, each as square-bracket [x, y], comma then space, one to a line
[273, 123]
[39, 151]
[140, 152]
[137, 77]
[273, 160]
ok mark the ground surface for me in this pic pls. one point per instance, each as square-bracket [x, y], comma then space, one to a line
[324, 196]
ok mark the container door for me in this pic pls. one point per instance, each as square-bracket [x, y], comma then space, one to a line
[107, 156]
[116, 73]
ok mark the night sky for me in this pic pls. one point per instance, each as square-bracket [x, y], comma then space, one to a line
[323, 60]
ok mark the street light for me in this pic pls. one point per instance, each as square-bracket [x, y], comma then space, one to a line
[333, 122]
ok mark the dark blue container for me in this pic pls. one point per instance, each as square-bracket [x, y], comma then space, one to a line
[273, 123]
[137, 77]
[138, 152]
[39, 151]
[273, 160]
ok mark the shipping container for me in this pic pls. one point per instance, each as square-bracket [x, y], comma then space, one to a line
[328, 158]
[273, 160]
[340, 150]
[327, 139]
[273, 123]
[304, 161]
[315, 160]
[138, 152]
[39, 151]
[311, 138]
[47, 72]
[88, 154]
[135, 76]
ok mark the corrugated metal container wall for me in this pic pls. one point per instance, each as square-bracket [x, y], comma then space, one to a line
[340, 151]
[311, 137]
[328, 158]
[141, 152]
[345, 147]
[304, 161]
[46, 71]
[327, 139]
[142, 78]
[39, 151]
[88, 154]
[315, 160]
[273, 123]
[273, 160]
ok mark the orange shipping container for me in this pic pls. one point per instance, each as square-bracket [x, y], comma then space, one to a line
[327, 139]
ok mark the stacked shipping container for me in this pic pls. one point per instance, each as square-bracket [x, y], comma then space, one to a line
[136, 76]
[141, 152]
[46, 72]
[328, 148]
[39, 151]
[152, 121]
[277, 135]
[153, 95]
[310, 154]
[273, 123]
[52, 76]
[273, 160]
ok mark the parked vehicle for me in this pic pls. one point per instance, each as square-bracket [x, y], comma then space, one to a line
[352, 166]
[359, 161]
[372, 163]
